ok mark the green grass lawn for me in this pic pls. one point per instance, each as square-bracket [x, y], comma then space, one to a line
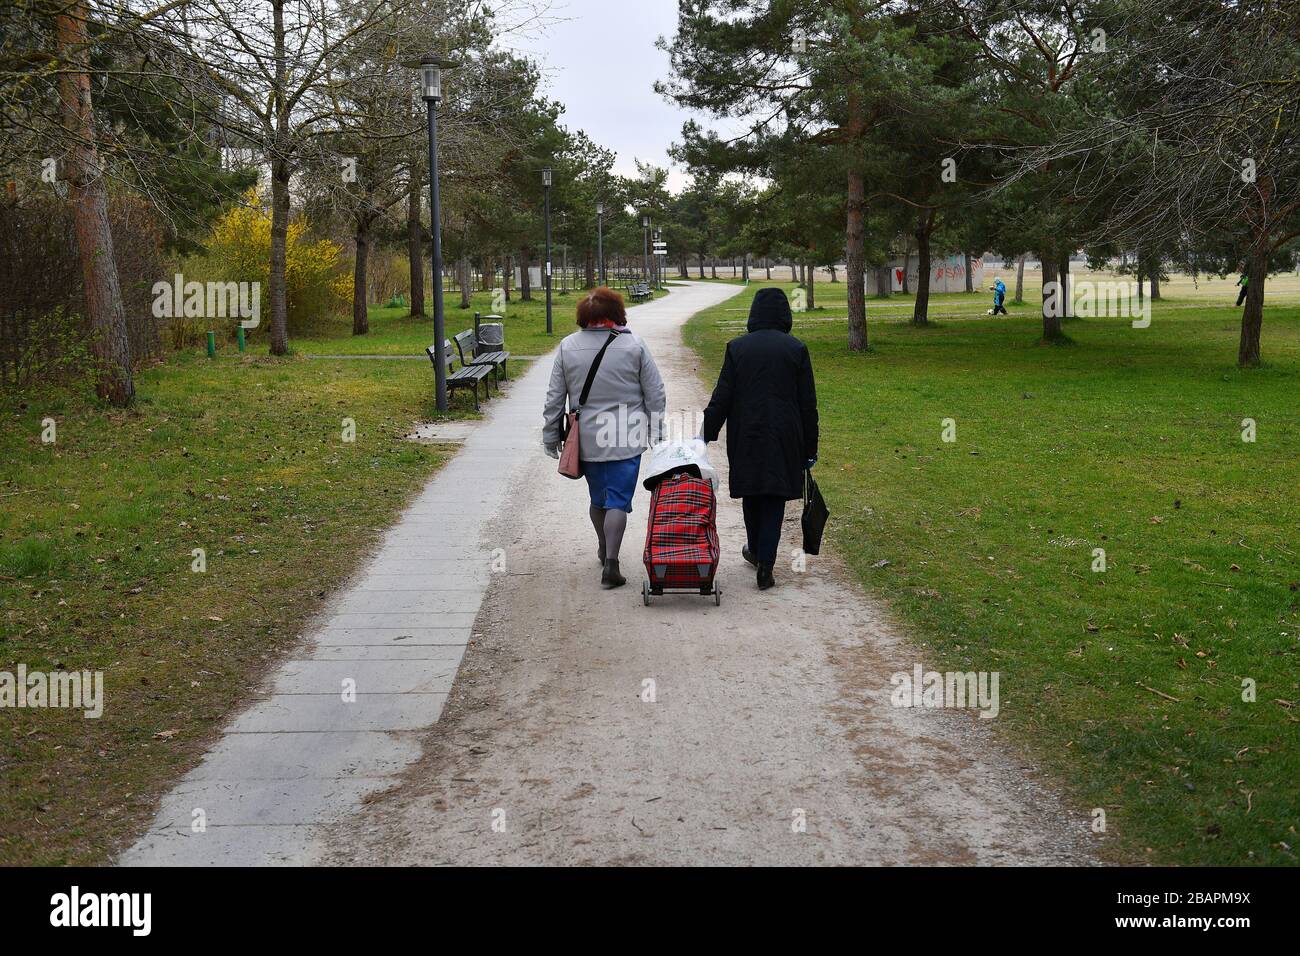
[395, 332]
[242, 458]
[1127, 683]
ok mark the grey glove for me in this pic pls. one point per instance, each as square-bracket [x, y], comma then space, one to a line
[553, 449]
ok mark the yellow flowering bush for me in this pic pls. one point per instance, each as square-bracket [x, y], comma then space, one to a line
[317, 283]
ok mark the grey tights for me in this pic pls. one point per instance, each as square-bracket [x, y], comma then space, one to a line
[610, 523]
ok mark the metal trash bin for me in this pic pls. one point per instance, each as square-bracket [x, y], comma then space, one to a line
[491, 337]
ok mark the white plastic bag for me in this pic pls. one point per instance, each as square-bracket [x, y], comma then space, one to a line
[671, 456]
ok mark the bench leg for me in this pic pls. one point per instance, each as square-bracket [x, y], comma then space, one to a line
[476, 396]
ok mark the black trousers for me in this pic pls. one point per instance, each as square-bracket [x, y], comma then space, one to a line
[763, 517]
[1242, 297]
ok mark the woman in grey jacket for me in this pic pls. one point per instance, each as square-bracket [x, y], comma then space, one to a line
[623, 416]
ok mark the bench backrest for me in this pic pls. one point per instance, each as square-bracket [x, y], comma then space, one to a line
[465, 345]
[448, 354]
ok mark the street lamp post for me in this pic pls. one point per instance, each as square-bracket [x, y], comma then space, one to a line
[546, 214]
[645, 240]
[431, 68]
[659, 266]
[564, 254]
[600, 241]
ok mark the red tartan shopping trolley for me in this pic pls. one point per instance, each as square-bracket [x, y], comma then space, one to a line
[681, 541]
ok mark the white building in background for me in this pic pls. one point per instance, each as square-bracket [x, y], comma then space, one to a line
[534, 277]
[947, 274]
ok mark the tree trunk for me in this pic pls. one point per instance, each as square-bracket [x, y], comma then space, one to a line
[702, 275]
[1051, 302]
[505, 277]
[767, 264]
[489, 274]
[360, 316]
[1155, 280]
[794, 274]
[713, 265]
[1063, 277]
[277, 290]
[525, 278]
[811, 286]
[855, 267]
[1020, 279]
[415, 241]
[1252, 316]
[589, 270]
[466, 279]
[921, 309]
[970, 285]
[744, 265]
[114, 382]
[832, 268]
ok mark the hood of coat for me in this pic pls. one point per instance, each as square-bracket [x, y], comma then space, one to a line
[770, 310]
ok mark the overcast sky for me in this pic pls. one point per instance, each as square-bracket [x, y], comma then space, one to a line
[600, 61]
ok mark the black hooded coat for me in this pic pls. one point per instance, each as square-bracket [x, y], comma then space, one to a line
[766, 398]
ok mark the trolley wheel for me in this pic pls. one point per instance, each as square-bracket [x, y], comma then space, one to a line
[717, 596]
[645, 592]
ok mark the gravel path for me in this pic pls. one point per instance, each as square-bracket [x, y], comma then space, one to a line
[770, 738]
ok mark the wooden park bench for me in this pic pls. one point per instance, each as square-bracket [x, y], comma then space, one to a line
[471, 355]
[639, 291]
[467, 376]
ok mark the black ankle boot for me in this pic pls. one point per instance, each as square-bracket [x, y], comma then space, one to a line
[610, 577]
[748, 555]
[765, 579]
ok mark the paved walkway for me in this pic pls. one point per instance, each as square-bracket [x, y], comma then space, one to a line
[301, 756]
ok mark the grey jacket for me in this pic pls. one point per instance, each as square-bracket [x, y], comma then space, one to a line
[624, 413]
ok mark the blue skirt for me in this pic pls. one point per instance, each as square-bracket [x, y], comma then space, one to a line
[611, 483]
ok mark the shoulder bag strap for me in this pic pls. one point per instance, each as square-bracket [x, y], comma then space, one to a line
[591, 372]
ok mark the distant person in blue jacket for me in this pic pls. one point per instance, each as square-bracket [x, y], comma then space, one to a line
[999, 296]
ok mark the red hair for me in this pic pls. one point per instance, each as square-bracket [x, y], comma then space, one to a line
[601, 303]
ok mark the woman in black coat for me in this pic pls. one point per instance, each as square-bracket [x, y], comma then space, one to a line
[766, 398]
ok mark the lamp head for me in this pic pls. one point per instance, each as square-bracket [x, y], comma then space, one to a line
[431, 68]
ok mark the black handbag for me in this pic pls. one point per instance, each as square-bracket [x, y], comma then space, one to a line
[815, 514]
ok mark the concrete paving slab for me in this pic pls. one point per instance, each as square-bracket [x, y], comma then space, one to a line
[325, 755]
[295, 713]
[430, 581]
[410, 619]
[394, 636]
[301, 801]
[227, 846]
[392, 677]
[411, 602]
[450, 653]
